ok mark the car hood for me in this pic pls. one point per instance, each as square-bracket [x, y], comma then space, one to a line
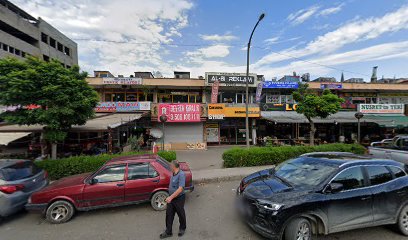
[67, 181]
[264, 185]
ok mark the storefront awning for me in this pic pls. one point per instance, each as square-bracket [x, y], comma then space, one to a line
[100, 123]
[6, 138]
[294, 117]
[388, 120]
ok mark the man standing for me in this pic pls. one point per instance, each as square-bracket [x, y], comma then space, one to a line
[175, 202]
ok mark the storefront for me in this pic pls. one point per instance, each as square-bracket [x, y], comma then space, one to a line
[183, 128]
[226, 123]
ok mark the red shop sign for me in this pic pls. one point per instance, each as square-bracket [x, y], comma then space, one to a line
[180, 112]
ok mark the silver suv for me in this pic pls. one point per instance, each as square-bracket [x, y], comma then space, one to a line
[18, 180]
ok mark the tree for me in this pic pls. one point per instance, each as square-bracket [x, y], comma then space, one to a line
[312, 105]
[59, 97]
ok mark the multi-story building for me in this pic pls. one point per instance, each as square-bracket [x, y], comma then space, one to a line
[22, 35]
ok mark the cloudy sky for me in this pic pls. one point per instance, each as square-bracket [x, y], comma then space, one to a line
[322, 38]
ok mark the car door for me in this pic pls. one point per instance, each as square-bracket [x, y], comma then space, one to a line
[106, 188]
[142, 180]
[352, 206]
[387, 192]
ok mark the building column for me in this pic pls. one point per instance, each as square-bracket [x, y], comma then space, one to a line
[254, 131]
[155, 95]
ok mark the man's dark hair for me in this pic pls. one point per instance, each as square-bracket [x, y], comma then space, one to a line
[176, 164]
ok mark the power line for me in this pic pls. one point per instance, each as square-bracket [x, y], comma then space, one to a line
[233, 45]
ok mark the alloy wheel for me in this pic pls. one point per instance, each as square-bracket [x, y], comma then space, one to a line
[303, 232]
[160, 200]
[59, 213]
[404, 220]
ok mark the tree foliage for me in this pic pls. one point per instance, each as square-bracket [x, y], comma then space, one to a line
[312, 105]
[61, 97]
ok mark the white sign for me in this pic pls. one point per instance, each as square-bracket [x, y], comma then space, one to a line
[122, 81]
[216, 116]
[381, 108]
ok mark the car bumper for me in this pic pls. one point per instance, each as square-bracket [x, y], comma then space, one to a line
[189, 189]
[36, 207]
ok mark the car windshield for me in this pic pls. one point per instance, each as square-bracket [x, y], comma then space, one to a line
[18, 171]
[305, 171]
[164, 163]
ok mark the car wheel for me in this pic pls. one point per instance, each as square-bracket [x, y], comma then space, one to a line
[403, 221]
[298, 229]
[158, 201]
[60, 212]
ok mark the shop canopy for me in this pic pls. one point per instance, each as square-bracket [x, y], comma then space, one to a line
[6, 138]
[388, 120]
[294, 117]
[100, 123]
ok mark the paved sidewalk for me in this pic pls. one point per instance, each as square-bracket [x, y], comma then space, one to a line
[224, 174]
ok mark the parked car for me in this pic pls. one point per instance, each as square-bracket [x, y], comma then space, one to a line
[18, 180]
[121, 181]
[324, 194]
[395, 149]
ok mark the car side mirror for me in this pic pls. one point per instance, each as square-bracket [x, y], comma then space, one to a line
[93, 181]
[334, 188]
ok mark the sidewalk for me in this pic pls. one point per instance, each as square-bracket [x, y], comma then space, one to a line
[224, 174]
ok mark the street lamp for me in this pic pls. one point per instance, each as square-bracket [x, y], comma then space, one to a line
[163, 119]
[246, 83]
[359, 116]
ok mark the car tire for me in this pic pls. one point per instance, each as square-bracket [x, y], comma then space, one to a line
[402, 223]
[59, 212]
[158, 201]
[298, 229]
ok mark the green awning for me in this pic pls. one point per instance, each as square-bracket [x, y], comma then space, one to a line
[400, 121]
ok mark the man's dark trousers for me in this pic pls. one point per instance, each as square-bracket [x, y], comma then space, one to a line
[176, 206]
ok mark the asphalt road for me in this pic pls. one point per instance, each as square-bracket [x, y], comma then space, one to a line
[210, 215]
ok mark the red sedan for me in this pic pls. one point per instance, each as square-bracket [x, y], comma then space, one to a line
[121, 181]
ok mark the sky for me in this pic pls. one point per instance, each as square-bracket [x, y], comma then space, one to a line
[322, 38]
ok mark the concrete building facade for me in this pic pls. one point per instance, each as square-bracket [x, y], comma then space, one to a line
[22, 35]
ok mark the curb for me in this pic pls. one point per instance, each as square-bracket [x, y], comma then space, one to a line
[218, 179]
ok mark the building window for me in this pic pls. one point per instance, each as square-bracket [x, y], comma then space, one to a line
[44, 38]
[60, 47]
[23, 54]
[53, 43]
[68, 66]
[11, 49]
[67, 51]
[5, 47]
[46, 58]
[17, 52]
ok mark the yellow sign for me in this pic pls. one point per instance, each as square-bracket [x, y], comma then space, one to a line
[220, 111]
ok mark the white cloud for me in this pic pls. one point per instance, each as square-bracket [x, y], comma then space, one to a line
[352, 32]
[302, 15]
[140, 26]
[218, 38]
[331, 10]
[215, 51]
[272, 40]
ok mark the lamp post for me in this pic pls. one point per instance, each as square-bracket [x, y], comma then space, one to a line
[359, 116]
[163, 119]
[246, 83]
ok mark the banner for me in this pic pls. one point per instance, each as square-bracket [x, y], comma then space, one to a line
[278, 107]
[220, 111]
[212, 130]
[214, 92]
[122, 106]
[180, 112]
[258, 92]
[122, 81]
[381, 108]
[331, 86]
[270, 84]
[229, 79]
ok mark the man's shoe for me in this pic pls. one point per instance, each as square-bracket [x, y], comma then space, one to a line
[181, 233]
[165, 235]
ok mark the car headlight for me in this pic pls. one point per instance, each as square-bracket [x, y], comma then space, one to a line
[269, 205]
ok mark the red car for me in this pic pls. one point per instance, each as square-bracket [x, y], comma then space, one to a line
[121, 181]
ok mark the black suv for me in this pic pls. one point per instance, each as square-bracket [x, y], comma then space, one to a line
[324, 193]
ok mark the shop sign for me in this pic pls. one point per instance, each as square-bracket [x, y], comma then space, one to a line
[258, 92]
[270, 84]
[122, 106]
[220, 111]
[122, 81]
[212, 130]
[331, 86]
[214, 92]
[180, 112]
[229, 79]
[278, 107]
[381, 108]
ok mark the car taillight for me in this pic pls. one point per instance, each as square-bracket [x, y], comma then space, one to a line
[9, 189]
